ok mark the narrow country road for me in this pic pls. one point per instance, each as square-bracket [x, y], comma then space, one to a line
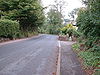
[35, 56]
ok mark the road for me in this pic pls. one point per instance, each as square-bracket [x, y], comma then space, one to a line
[69, 60]
[35, 56]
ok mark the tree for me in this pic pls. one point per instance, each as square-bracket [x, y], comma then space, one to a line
[54, 17]
[73, 13]
[85, 2]
[89, 23]
[29, 13]
[55, 21]
[59, 6]
[9, 29]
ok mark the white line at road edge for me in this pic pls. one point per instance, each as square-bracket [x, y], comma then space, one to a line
[59, 44]
[59, 59]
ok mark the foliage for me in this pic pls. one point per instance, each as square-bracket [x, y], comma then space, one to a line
[54, 21]
[76, 46]
[70, 30]
[97, 72]
[29, 13]
[73, 13]
[91, 59]
[54, 29]
[59, 6]
[44, 28]
[54, 17]
[9, 28]
[88, 22]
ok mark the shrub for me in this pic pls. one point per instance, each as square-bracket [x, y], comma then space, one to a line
[9, 28]
[91, 59]
[70, 30]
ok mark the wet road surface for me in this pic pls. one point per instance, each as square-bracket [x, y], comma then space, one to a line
[35, 56]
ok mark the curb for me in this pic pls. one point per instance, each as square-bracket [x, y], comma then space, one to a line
[18, 40]
[59, 59]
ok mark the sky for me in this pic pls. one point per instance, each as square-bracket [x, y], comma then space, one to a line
[69, 6]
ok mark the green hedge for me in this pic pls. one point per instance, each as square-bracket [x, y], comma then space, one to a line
[9, 28]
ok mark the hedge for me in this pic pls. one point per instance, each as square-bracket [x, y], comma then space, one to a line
[9, 28]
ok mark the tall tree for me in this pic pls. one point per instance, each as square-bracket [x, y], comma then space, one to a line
[59, 6]
[54, 21]
[54, 17]
[88, 22]
[29, 13]
[73, 13]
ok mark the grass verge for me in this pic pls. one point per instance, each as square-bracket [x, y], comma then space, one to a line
[90, 60]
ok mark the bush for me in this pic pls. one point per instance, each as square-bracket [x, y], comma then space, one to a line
[91, 59]
[76, 46]
[70, 30]
[76, 33]
[9, 29]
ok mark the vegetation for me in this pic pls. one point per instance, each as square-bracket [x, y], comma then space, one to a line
[29, 14]
[70, 30]
[9, 28]
[88, 23]
[73, 13]
[54, 21]
[90, 59]
[22, 18]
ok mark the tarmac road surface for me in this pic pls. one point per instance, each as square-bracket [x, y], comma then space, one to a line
[35, 56]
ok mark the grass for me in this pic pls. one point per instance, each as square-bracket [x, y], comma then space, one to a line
[97, 72]
[90, 59]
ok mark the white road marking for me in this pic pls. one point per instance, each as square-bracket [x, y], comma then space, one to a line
[59, 59]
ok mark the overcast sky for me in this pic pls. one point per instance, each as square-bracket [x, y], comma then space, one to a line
[70, 5]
